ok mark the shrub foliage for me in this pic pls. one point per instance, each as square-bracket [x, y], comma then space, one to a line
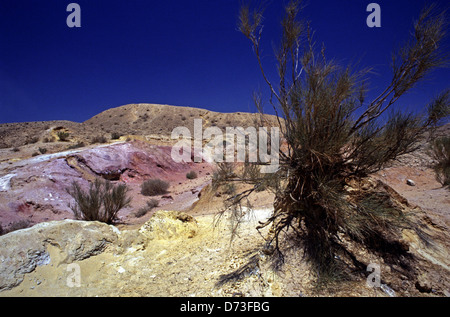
[334, 139]
[153, 187]
[152, 203]
[191, 175]
[63, 136]
[440, 152]
[101, 202]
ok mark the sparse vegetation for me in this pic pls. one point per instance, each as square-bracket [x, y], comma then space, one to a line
[32, 140]
[101, 202]
[144, 117]
[224, 171]
[99, 139]
[440, 151]
[335, 139]
[63, 136]
[191, 175]
[153, 187]
[76, 145]
[42, 150]
[115, 136]
[152, 203]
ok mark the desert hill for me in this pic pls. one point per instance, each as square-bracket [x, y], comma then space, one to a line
[133, 119]
[151, 119]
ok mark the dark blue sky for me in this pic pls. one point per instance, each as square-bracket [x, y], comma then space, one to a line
[178, 52]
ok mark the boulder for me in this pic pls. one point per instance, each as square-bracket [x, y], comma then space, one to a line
[167, 225]
[54, 243]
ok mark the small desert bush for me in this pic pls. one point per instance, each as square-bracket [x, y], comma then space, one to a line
[63, 136]
[42, 150]
[440, 151]
[191, 175]
[99, 139]
[76, 146]
[153, 187]
[115, 136]
[152, 203]
[101, 202]
[33, 140]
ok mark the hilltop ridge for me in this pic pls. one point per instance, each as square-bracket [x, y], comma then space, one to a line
[131, 119]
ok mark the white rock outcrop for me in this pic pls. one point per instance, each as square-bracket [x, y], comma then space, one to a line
[23, 250]
[68, 241]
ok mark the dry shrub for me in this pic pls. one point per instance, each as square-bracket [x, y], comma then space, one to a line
[152, 203]
[76, 145]
[99, 139]
[63, 136]
[153, 187]
[336, 138]
[440, 152]
[115, 136]
[101, 202]
[191, 175]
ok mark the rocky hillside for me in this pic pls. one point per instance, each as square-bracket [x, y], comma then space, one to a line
[33, 190]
